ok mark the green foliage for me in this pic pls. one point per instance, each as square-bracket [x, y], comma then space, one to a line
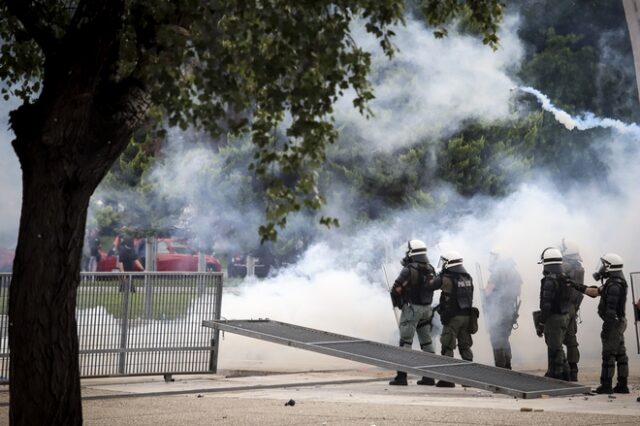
[20, 59]
[235, 66]
[580, 55]
[126, 198]
[564, 68]
[481, 16]
[490, 159]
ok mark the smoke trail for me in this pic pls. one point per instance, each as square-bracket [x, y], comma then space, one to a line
[586, 121]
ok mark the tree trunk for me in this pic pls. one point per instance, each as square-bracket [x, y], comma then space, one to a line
[66, 144]
[44, 373]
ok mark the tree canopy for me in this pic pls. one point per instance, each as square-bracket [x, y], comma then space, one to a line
[234, 66]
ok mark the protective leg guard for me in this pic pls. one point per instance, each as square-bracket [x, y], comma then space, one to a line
[400, 379]
[573, 372]
[499, 358]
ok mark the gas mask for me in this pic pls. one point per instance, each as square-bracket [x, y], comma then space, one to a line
[601, 271]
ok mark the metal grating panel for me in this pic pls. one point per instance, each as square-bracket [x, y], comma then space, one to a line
[498, 377]
[295, 333]
[415, 362]
[400, 356]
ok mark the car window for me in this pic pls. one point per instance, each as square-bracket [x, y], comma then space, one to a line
[163, 247]
[180, 248]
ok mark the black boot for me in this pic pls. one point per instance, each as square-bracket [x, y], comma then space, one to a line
[427, 381]
[399, 380]
[499, 358]
[621, 386]
[605, 386]
[444, 384]
[573, 372]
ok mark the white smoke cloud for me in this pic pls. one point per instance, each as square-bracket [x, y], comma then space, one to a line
[338, 285]
[431, 88]
[433, 85]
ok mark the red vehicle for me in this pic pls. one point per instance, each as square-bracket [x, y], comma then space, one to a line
[171, 255]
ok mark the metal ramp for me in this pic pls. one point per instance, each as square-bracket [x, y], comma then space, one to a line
[420, 363]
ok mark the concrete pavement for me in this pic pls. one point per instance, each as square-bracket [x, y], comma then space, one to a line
[353, 397]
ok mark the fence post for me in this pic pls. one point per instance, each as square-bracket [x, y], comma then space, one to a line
[251, 266]
[215, 341]
[201, 278]
[149, 281]
[150, 251]
[124, 329]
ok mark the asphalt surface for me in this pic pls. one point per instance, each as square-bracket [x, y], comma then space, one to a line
[353, 397]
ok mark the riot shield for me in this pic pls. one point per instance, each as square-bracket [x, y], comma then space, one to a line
[635, 281]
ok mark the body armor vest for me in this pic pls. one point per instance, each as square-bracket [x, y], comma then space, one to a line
[622, 297]
[555, 294]
[421, 275]
[461, 298]
[464, 291]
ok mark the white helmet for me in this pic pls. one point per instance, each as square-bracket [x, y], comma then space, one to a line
[611, 262]
[416, 247]
[450, 259]
[569, 248]
[550, 256]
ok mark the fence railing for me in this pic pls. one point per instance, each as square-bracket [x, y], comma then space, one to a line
[139, 323]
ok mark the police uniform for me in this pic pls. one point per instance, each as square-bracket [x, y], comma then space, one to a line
[572, 268]
[613, 297]
[611, 309]
[555, 293]
[456, 312]
[415, 298]
[501, 307]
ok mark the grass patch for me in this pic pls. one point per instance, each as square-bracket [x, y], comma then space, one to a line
[163, 305]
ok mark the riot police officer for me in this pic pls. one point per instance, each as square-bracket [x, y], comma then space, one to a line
[555, 294]
[501, 304]
[611, 309]
[573, 269]
[459, 318]
[410, 293]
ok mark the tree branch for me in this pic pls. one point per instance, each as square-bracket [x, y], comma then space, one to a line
[28, 14]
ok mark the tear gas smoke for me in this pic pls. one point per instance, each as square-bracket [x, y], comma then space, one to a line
[432, 85]
[584, 122]
[338, 285]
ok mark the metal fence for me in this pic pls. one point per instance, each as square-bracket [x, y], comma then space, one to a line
[139, 323]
